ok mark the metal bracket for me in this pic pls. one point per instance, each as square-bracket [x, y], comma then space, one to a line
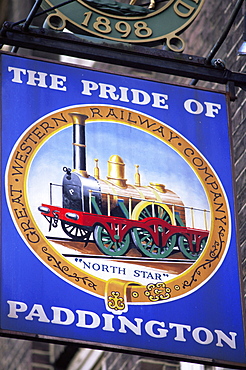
[230, 88]
[139, 57]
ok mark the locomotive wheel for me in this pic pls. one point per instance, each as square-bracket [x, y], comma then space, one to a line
[184, 246]
[109, 246]
[75, 232]
[143, 239]
[148, 209]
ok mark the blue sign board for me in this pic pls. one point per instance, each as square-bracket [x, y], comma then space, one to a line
[118, 220]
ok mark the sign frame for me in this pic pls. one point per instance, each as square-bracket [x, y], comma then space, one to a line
[160, 102]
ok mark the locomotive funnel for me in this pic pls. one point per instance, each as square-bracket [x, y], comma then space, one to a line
[79, 157]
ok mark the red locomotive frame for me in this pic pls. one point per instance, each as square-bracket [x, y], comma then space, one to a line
[158, 236]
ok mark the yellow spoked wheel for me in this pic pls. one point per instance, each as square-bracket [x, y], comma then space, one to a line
[142, 237]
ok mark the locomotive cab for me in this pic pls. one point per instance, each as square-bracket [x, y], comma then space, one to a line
[77, 191]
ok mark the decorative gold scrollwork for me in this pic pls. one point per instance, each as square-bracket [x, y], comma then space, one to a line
[135, 294]
[115, 301]
[157, 292]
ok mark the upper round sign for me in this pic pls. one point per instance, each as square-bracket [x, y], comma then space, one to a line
[137, 22]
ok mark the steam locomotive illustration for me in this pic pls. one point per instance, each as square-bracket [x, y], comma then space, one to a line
[118, 216]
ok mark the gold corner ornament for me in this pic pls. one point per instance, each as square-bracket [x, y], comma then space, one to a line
[157, 292]
[138, 21]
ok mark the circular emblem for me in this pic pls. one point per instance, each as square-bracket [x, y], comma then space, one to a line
[165, 241]
[139, 21]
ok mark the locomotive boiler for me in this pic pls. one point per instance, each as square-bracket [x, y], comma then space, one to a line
[117, 215]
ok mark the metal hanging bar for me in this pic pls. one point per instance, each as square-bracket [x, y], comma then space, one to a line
[28, 20]
[134, 56]
[222, 38]
[31, 14]
[118, 53]
[45, 11]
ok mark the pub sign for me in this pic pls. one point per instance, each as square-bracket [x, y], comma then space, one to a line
[118, 220]
[138, 21]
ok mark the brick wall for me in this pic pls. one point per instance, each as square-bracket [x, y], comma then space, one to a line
[18, 354]
[15, 354]
[42, 356]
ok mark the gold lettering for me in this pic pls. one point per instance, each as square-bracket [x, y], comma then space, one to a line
[33, 237]
[142, 29]
[178, 9]
[102, 25]
[20, 213]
